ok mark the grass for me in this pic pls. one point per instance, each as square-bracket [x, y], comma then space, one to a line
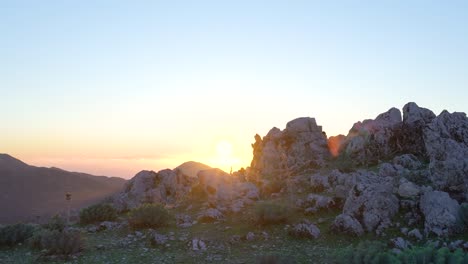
[217, 237]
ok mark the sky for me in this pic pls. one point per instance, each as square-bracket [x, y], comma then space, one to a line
[115, 87]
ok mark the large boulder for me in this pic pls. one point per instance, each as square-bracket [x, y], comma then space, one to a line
[408, 136]
[446, 141]
[302, 145]
[441, 213]
[372, 201]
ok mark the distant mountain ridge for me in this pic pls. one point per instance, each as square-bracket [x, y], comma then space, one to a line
[28, 191]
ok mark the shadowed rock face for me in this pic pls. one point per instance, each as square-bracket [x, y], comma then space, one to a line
[300, 146]
[446, 142]
[369, 141]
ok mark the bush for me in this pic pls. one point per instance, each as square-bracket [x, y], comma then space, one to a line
[377, 252]
[97, 213]
[428, 254]
[366, 252]
[464, 213]
[274, 259]
[270, 213]
[11, 235]
[56, 223]
[57, 243]
[149, 216]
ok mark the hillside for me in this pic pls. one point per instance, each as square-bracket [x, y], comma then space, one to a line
[393, 190]
[27, 191]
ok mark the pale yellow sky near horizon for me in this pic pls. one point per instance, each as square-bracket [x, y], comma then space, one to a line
[112, 88]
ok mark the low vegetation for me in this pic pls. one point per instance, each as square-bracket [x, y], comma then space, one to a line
[97, 213]
[54, 242]
[149, 216]
[56, 223]
[271, 213]
[376, 252]
[12, 235]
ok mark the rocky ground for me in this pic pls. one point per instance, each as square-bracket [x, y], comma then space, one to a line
[401, 179]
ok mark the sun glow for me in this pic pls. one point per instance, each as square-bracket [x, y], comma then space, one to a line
[225, 158]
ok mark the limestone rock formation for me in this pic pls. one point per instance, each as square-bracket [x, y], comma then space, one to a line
[300, 146]
[370, 140]
[226, 192]
[446, 141]
[372, 202]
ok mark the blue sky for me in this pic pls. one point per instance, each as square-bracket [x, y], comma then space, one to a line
[113, 87]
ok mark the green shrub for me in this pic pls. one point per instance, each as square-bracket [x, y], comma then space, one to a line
[366, 252]
[271, 213]
[56, 223]
[57, 243]
[428, 254]
[377, 252]
[97, 213]
[274, 259]
[11, 235]
[149, 216]
[464, 213]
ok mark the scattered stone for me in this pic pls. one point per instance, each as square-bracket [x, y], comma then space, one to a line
[455, 245]
[210, 215]
[400, 243]
[159, 239]
[235, 239]
[404, 230]
[305, 230]
[107, 225]
[250, 236]
[415, 234]
[198, 244]
[347, 224]
[184, 220]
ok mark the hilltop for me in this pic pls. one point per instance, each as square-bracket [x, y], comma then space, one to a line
[395, 187]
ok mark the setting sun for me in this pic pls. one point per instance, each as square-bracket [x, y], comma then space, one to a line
[224, 149]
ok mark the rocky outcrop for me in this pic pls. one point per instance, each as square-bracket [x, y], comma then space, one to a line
[370, 140]
[166, 186]
[441, 213]
[446, 141]
[372, 202]
[225, 192]
[408, 136]
[301, 146]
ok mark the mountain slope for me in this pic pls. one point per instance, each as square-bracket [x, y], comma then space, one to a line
[27, 191]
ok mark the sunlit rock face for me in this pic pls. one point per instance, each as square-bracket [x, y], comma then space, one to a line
[301, 146]
[225, 192]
